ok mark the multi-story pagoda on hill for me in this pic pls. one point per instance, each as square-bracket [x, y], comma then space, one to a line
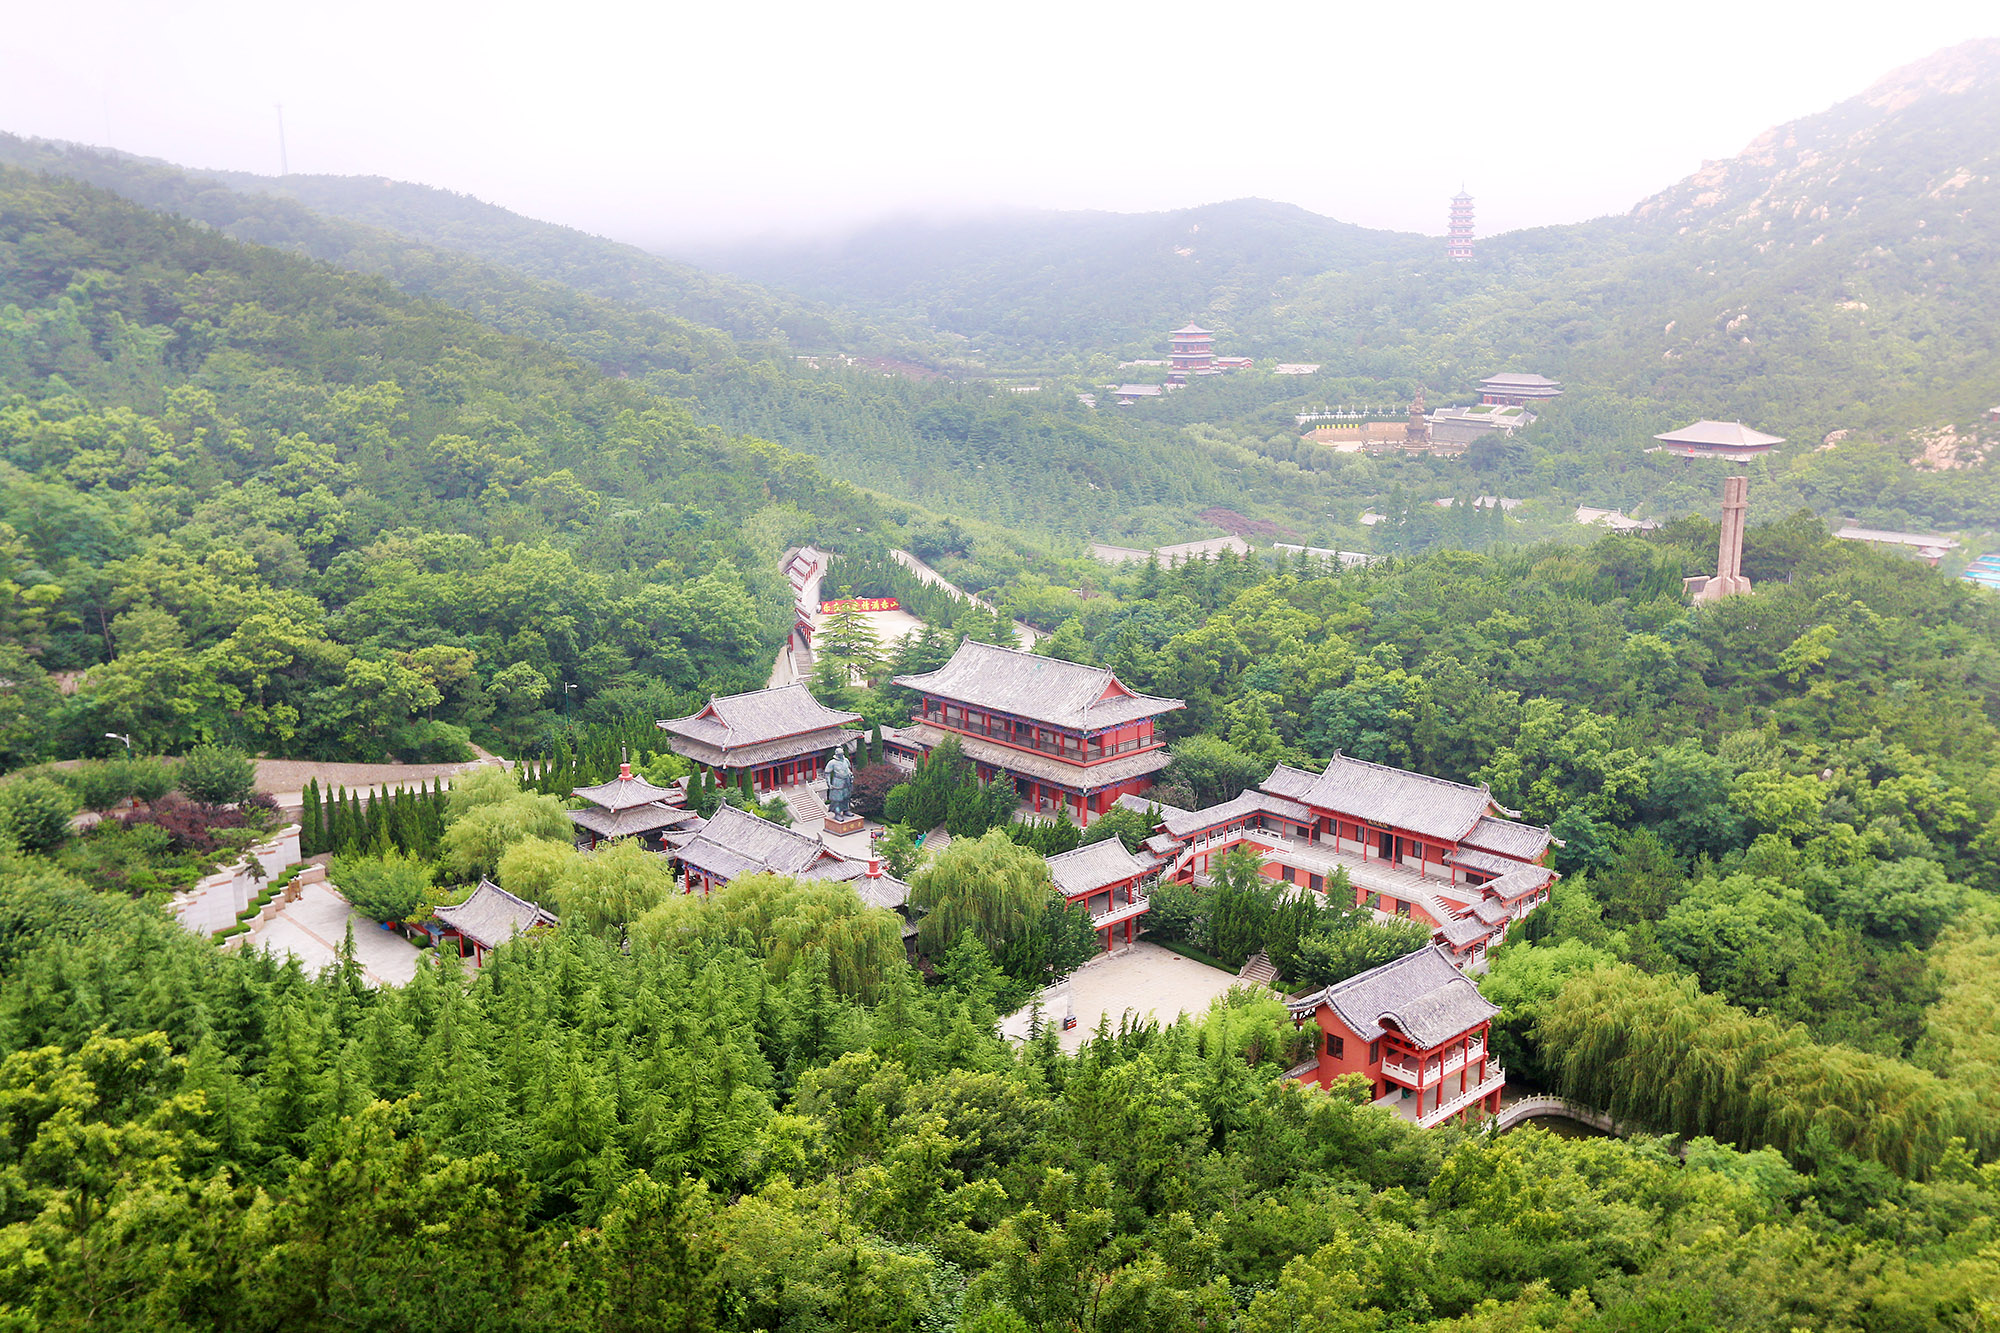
[1192, 351]
[1069, 735]
[1459, 246]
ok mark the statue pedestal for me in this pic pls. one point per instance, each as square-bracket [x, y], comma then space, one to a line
[851, 824]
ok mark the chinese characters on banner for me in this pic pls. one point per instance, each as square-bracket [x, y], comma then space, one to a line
[860, 604]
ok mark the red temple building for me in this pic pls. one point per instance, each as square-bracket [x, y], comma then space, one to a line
[1512, 390]
[1718, 439]
[1441, 853]
[780, 736]
[1069, 735]
[1192, 351]
[1418, 1030]
[1459, 246]
[1110, 883]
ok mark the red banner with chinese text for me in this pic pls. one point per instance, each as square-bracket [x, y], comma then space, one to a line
[859, 604]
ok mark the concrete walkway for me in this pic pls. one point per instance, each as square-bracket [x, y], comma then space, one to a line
[312, 927]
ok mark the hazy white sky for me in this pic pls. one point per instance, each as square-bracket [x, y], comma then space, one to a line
[679, 121]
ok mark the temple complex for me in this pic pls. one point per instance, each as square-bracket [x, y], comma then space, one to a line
[1418, 1030]
[1110, 883]
[1441, 853]
[1718, 439]
[779, 736]
[1069, 735]
[629, 807]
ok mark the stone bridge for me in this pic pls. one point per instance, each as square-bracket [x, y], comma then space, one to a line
[1527, 1108]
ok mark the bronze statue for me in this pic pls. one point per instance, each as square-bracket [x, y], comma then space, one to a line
[839, 784]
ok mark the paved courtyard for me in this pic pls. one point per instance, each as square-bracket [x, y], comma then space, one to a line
[1147, 980]
[312, 926]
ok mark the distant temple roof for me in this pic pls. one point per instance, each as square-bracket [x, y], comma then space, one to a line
[492, 916]
[1094, 867]
[1191, 329]
[1720, 435]
[760, 726]
[1434, 807]
[1049, 690]
[1422, 995]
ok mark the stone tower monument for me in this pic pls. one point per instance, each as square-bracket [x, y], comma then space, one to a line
[1728, 580]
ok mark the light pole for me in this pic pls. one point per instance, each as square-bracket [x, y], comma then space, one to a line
[115, 736]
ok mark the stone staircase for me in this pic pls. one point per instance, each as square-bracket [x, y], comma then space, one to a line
[806, 806]
[1258, 970]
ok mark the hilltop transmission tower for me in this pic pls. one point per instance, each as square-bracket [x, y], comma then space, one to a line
[1460, 244]
[284, 158]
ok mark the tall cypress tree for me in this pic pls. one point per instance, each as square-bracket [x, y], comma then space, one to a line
[309, 819]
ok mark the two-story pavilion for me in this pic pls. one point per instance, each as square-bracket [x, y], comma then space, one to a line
[1069, 735]
[1108, 882]
[779, 736]
[1439, 852]
[1418, 1030]
[629, 807]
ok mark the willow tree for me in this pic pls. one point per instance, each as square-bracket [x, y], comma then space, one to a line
[791, 922]
[991, 886]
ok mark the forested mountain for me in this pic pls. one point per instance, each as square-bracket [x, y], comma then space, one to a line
[1029, 287]
[1839, 274]
[1717, 299]
[444, 221]
[253, 498]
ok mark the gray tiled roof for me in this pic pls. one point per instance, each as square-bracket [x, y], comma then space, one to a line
[1461, 931]
[1518, 883]
[1725, 434]
[624, 793]
[1523, 842]
[1491, 910]
[1486, 863]
[1290, 783]
[634, 820]
[492, 916]
[735, 842]
[1380, 794]
[1143, 804]
[739, 723]
[1093, 867]
[1187, 823]
[1048, 768]
[1423, 995]
[1066, 695]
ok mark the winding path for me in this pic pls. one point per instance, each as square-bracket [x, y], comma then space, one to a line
[1022, 629]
